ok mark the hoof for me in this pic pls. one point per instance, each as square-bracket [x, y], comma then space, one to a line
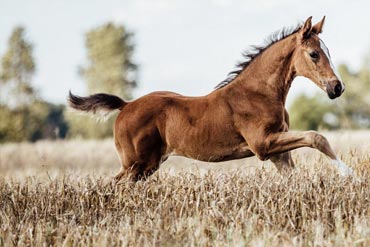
[343, 169]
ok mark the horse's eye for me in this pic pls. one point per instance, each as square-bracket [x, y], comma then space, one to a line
[314, 55]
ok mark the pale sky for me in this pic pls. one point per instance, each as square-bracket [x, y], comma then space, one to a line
[184, 46]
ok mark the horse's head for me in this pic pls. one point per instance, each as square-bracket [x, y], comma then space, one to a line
[312, 59]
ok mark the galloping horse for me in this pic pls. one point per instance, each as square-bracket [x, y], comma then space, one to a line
[244, 116]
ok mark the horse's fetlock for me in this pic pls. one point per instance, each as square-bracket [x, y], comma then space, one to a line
[317, 139]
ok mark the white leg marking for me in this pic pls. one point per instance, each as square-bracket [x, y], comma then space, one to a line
[326, 51]
[343, 169]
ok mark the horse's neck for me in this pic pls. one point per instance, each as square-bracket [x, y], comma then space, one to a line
[270, 74]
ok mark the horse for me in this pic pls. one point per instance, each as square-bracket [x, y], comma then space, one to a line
[244, 116]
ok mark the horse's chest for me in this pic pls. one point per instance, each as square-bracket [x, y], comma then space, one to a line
[273, 120]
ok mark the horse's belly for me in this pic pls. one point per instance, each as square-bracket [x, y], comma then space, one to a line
[213, 151]
[208, 139]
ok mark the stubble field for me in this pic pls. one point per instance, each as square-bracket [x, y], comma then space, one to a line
[60, 193]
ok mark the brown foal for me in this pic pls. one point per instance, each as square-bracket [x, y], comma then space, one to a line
[244, 116]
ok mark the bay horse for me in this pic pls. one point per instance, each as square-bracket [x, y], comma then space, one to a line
[244, 116]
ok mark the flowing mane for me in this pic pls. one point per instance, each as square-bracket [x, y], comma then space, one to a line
[254, 51]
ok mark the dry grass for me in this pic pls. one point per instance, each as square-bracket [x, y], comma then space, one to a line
[59, 193]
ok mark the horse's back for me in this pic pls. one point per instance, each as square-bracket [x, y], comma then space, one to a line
[155, 109]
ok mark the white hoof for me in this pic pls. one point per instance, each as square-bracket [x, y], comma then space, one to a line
[343, 169]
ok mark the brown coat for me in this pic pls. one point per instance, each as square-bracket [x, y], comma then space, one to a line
[244, 116]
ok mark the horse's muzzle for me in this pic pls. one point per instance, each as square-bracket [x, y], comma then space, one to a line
[334, 89]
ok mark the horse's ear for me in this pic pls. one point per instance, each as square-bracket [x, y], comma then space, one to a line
[317, 28]
[307, 28]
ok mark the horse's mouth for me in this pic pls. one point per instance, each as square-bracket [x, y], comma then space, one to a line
[332, 95]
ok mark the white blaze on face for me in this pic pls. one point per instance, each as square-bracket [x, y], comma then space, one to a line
[326, 51]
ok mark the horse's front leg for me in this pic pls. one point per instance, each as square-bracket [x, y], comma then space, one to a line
[283, 162]
[278, 143]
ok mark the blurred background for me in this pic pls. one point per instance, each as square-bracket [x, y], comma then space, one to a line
[56, 166]
[132, 47]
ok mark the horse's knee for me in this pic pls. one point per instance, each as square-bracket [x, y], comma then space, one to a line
[262, 148]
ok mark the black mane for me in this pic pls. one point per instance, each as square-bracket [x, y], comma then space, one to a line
[255, 51]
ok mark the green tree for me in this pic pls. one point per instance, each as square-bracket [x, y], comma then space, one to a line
[25, 117]
[17, 69]
[39, 120]
[110, 69]
[309, 113]
[353, 107]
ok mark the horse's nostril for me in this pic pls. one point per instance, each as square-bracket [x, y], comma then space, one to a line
[338, 89]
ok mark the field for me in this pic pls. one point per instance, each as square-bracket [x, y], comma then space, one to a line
[60, 193]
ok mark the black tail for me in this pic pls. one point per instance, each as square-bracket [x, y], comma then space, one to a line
[100, 103]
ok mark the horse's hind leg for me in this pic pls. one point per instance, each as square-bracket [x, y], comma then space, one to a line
[139, 158]
[128, 160]
[143, 169]
[127, 172]
[283, 162]
[120, 174]
[139, 170]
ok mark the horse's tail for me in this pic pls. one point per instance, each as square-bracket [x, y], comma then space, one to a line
[99, 104]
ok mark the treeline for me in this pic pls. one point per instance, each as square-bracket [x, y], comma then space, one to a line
[25, 116]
